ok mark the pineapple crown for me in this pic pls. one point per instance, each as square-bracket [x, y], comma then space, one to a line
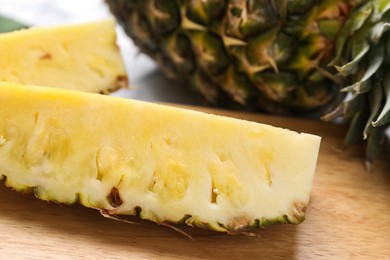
[363, 50]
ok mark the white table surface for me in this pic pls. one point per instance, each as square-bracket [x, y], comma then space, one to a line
[150, 84]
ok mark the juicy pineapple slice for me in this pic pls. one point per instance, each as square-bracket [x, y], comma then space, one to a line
[167, 164]
[57, 56]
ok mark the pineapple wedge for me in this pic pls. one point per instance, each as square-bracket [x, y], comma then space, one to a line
[168, 165]
[57, 56]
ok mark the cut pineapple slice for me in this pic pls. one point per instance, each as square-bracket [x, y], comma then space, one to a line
[83, 57]
[167, 164]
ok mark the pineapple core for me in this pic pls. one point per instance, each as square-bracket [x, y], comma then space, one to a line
[166, 164]
[57, 56]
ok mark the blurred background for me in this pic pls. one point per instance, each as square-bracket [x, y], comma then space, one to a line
[148, 83]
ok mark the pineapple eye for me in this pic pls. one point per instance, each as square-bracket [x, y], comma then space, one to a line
[214, 194]
[235, 11]
[2, 140]
[114, 198]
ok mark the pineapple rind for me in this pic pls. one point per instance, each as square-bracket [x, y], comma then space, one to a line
[172, 164]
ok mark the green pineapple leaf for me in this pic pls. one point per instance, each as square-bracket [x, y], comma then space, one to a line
[7, 24]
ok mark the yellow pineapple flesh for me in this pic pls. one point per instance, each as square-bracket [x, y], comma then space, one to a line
[79, 56]
[167, 164]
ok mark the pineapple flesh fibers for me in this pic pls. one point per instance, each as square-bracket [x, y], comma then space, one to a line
[83, 57]
[166, 164]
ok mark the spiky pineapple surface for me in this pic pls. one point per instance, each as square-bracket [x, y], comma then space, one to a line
[167, 164]
[81, 56]
[269, 55]
[274, 55]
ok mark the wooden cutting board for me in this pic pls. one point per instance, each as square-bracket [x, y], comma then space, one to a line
[348, 217]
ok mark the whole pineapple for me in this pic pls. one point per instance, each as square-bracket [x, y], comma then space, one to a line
[274, 55]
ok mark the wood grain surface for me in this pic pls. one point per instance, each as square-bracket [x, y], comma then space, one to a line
[348, 217]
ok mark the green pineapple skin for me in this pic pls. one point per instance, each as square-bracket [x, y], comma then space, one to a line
[275, 56]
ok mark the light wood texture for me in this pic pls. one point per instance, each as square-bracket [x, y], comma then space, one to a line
[348, 217]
